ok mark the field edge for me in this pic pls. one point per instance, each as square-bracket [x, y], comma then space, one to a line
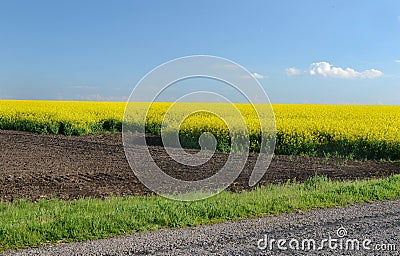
[31, 224]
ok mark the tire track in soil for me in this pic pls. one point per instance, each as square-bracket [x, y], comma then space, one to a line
[34, 166]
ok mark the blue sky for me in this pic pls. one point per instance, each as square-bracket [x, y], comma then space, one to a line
[341, 52]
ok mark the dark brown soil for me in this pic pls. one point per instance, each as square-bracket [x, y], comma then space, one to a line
[36, 166]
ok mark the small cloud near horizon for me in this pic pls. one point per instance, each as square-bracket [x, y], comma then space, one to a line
[98, 97]
[83, 87]
[293, 71]
[255, 75]
[327, 70]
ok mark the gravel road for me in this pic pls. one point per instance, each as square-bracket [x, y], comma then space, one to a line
[374, 226]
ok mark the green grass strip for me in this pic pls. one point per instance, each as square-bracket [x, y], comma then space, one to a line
[26, 224]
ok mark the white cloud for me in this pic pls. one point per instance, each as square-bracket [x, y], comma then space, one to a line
[292, 71]
[255, 75]
[98, 97]
[6, 97]
[84, 87]
[327, 70]
[225, 66]
[398, 61]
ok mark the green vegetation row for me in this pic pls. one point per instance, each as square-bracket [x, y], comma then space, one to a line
[66, 127]
[27, 224]
[319, 145]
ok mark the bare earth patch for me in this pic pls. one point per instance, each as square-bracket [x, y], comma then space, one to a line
[36, 166]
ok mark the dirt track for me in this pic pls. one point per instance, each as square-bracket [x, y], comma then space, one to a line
[36, 166]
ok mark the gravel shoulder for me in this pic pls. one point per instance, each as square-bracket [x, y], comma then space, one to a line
[378, 221]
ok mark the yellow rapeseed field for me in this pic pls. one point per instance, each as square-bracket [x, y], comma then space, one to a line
[347, 130]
